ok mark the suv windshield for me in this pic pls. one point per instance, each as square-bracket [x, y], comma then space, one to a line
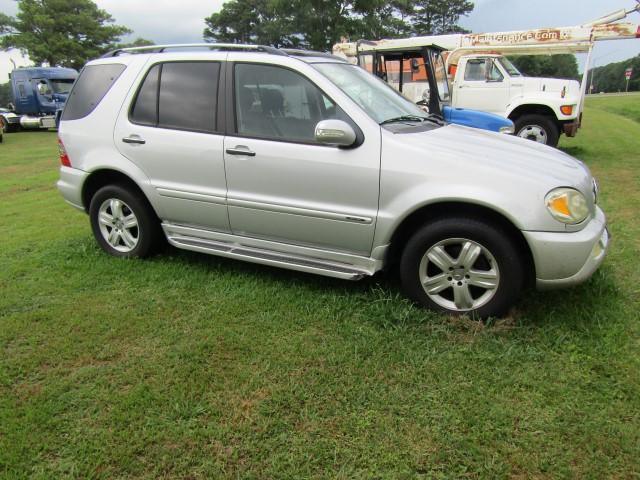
[375, 97]
[509, 67]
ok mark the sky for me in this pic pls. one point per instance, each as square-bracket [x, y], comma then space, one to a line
[182, 21]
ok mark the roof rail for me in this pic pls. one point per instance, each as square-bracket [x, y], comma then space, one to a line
[298, 52]
[210, 46]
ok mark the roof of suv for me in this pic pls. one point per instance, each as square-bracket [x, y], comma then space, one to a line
[308, 56]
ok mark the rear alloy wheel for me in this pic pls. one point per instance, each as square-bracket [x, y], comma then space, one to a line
[539, 128]
[462, 265]
[123, 223]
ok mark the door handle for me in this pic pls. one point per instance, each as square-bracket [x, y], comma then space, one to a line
[240, 150]
[134, 139]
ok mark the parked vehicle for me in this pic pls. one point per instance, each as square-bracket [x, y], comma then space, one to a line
[425, 69]
[38, 93]
[483, 79]
[304, 161]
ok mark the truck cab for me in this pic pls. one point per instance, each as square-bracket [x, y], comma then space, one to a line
[38, 93]
[541, 108]
[420, 75]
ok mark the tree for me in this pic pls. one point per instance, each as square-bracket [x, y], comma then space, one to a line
[432, 17]
[610, 78]
[318, 24]
[138, 42]
[60, 32]
[554, 66]
[5, 94]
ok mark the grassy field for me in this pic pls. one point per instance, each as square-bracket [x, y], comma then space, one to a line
[190, 366]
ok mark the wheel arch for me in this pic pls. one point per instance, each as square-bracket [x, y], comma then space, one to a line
[434, 211]
[106, 176]
[532, 109]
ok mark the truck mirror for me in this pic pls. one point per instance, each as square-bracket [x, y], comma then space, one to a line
[415, 66]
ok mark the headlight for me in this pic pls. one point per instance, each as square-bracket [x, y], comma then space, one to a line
[509, 130]
[567, 205]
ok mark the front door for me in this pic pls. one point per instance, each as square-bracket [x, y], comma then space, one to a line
[171, 132]
[483, 87]
[284, 186]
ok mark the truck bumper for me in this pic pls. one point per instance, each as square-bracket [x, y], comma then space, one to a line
[570, 129]
[564, 259]
[70, 185]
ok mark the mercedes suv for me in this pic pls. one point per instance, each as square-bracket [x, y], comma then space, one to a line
[301, 160]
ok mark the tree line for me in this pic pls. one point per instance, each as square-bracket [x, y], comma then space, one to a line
[71, 32]
[610, 78]
[318, 24]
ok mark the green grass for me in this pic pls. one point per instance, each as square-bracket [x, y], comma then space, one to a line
[625, 105]
[190, 366]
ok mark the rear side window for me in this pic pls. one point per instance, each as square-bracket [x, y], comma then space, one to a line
[180, 96]
[90, 88]
[145, 109]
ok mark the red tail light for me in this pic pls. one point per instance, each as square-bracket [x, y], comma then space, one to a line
[64, 158]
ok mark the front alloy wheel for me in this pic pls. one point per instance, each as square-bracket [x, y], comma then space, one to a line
[463, 265]
[459, 274]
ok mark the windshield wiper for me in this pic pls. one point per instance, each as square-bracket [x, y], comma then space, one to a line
[414, 118]
[404, 118]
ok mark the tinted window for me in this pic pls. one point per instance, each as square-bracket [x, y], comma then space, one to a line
[145, 110]
[273, 102]
[187, 97]
[90, 88]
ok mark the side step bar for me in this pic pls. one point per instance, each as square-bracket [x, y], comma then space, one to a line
[267, 257]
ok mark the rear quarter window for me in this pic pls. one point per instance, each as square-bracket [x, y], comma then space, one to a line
[90, 88]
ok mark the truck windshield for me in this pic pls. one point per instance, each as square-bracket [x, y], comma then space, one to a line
[378, 99]
[61, 85]
[509, 67]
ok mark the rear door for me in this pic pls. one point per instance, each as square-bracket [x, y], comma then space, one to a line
[170, 128]
[283, 186]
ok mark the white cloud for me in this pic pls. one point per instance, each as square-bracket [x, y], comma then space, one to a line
[6, 65]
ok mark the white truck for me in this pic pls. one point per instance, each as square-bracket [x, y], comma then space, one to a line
[482, 78]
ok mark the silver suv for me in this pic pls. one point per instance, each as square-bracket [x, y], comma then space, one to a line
[301, 160]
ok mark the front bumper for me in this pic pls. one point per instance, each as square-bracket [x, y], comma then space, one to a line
[564, 259]
[70, 185]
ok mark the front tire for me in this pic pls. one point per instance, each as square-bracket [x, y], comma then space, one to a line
[539, 128]
[462, 266]
[123, 222]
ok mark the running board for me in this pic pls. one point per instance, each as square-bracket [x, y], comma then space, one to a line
[265, 256]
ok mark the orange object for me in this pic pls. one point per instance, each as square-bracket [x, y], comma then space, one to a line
[566, 109]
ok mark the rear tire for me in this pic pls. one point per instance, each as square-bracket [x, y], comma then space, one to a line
[462, 266]
[123, 222]
[539, 128]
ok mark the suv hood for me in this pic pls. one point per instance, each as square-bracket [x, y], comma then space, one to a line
[471, 148]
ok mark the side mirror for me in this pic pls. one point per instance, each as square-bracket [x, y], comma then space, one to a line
[335, 132]
[415, 66]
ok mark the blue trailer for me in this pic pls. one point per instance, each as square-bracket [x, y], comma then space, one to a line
[38, 93]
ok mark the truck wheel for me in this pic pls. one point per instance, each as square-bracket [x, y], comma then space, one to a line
[123, 223]
[462, 266]
[538, 128]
